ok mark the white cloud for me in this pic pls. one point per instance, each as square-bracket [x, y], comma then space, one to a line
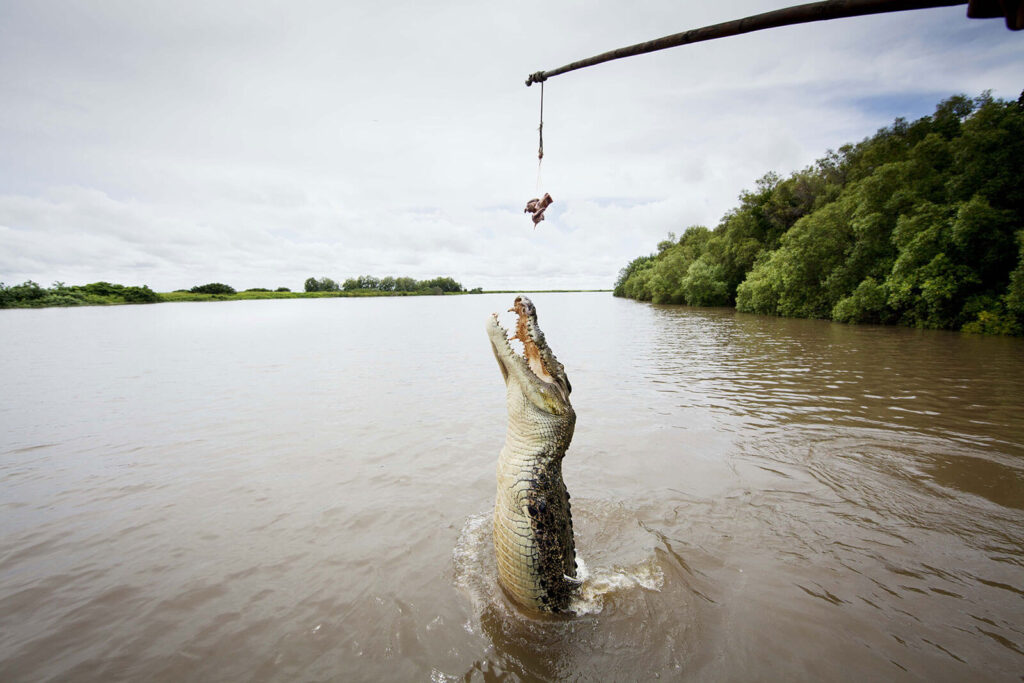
[174, 144]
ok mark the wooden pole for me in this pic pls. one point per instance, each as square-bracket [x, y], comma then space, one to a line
[799, 14]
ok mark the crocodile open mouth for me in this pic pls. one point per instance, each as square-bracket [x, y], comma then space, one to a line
[536, 359]
[529, 334]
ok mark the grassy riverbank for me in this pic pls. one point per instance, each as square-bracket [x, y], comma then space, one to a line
[541, 291]
[245, 296]
[242, 296]
[31, 295]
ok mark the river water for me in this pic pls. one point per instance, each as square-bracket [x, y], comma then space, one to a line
[301, 489]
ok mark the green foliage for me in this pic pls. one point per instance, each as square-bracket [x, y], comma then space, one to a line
[324, 284]
[627, 274]
[369, 282]
[920, 224]
[990, 322]
[445, 284]
[1004, 315]
[24, 294]
[213, 288]
[282, 289]
[100, 288]
[140, 295]
[361, 282]
[30, 295]
[867, 304]
[438, 285]
[405, 284]
[704, 283]
[1015, 292]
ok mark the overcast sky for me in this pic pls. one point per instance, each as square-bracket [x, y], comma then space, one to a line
[259, 143]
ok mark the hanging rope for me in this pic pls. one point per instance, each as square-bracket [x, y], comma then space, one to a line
[540, 128]
[540, 133]
[538, 205]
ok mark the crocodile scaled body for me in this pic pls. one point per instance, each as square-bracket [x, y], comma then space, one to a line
[533, 540]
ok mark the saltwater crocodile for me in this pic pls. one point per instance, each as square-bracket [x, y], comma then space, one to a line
[533, 540]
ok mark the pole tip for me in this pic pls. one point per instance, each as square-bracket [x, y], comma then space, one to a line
[538, 77]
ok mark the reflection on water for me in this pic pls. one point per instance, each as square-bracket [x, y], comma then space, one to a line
[281, 490]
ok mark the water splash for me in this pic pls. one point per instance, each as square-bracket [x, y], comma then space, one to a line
[469, 556]
[475, 572]
[606, 581]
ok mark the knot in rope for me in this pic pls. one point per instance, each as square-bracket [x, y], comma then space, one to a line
[538, 77]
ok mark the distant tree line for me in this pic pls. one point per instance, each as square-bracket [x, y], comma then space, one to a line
[921, 225]
[213, 288]
[30, 295]
[437, 285]
[221, 288]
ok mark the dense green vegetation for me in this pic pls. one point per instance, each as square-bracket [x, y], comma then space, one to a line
[31, 295]
[921, 224]
[213, 288]
[249, 295]
[438, 285]
[324, 284]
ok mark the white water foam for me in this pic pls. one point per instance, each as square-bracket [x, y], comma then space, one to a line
[604, 581]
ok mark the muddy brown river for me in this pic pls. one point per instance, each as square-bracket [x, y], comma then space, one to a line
[300, 490]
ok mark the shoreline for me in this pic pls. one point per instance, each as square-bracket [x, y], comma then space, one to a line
[171, 297]
[179, 297]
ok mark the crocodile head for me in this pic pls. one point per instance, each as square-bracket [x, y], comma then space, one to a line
[538, 373]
